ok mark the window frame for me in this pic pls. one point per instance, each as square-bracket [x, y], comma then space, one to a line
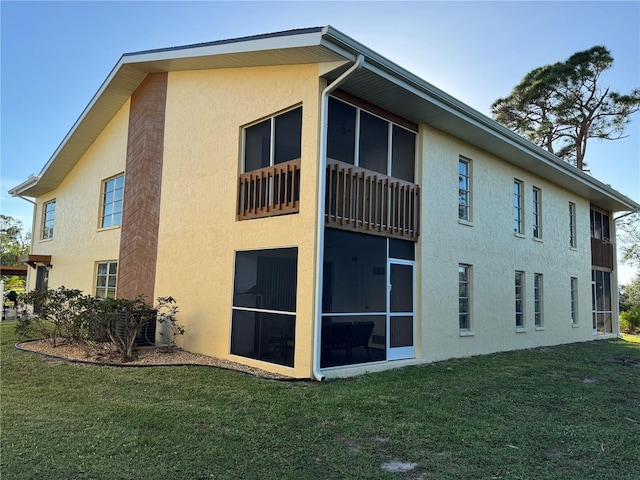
[464, 207]
[272, 137]
[538, 300]
[391, 125]
[573, 241]
[104, 204]
[536, 212]
[602, 301]
[574, 300]
[467, 283]
[47, 231]
[604, 234]
[262, 311]
[108, 275]
[518, 207]
[520, 313]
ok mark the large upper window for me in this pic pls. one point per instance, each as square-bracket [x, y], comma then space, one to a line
[273, 141]
[112, 194]
[48, 219]
[264, 305]
[536, 210]
[464, 296]
[599, 225]
[517, 207]
[106, 277]
[519, 296]
[572, 225]
[361, 138]
[464, 189]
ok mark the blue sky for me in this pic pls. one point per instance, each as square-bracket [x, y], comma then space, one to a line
[55, 55]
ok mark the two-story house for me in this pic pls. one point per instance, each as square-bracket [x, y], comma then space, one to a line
[319, 211]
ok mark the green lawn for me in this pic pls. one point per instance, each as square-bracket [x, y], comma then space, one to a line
[570, 412]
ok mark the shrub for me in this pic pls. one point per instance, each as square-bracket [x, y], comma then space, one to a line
[630, 320]
[77, 318]
[60, 313]
[123, 321]
[169, 327]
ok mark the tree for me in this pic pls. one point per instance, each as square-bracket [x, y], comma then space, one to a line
[560, 107]
[630, 294]
[628, 229]
[13, 241]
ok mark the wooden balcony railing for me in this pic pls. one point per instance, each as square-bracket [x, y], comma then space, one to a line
[269, 191]
[601, 253]
[361, 200]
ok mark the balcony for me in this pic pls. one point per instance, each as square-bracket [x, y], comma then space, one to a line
[602, 254]
[269, 191]
[364, 201]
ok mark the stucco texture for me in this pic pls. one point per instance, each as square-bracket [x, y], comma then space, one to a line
[489, 245]
[198, 232]
[78, 241]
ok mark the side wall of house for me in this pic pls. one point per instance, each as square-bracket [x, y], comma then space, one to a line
[198, 232]
[488, 244]
[78, 242]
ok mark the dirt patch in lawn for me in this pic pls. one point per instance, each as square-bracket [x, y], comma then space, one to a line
[145, 357]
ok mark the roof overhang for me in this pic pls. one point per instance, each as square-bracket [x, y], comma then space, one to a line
[380, 81]
[13, 270]
[34, 260]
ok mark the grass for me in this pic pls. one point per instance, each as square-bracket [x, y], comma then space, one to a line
[568, 412]
[631, 338]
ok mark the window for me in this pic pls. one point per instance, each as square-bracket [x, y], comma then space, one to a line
[599, 225]
[275, 140]
[464, 189]
[537, 300]
[536, 208]
[517, 207]
[360, 138]
[48, 219]
[572, 225]
[464, 296]
[264, 305]
[106, 277]
[519, 284]
[601, 301]
[574, 301]
[112, 193]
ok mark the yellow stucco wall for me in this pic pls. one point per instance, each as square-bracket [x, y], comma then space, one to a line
[78, 242]
[489, 245]
[199, 233]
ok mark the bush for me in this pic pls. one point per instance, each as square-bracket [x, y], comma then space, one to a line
[60, 313]
[170, 328]
[630, 320]
[68, 314]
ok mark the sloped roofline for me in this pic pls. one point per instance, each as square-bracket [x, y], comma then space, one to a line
[316, 45]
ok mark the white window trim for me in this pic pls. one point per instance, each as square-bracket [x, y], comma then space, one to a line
[536, 212]
[538, 300]
[465, 332]
[103, 190]
[469, 205]
[108, 263]
[44, 220]
[573, 239]
[522, 327]
[519, 229]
